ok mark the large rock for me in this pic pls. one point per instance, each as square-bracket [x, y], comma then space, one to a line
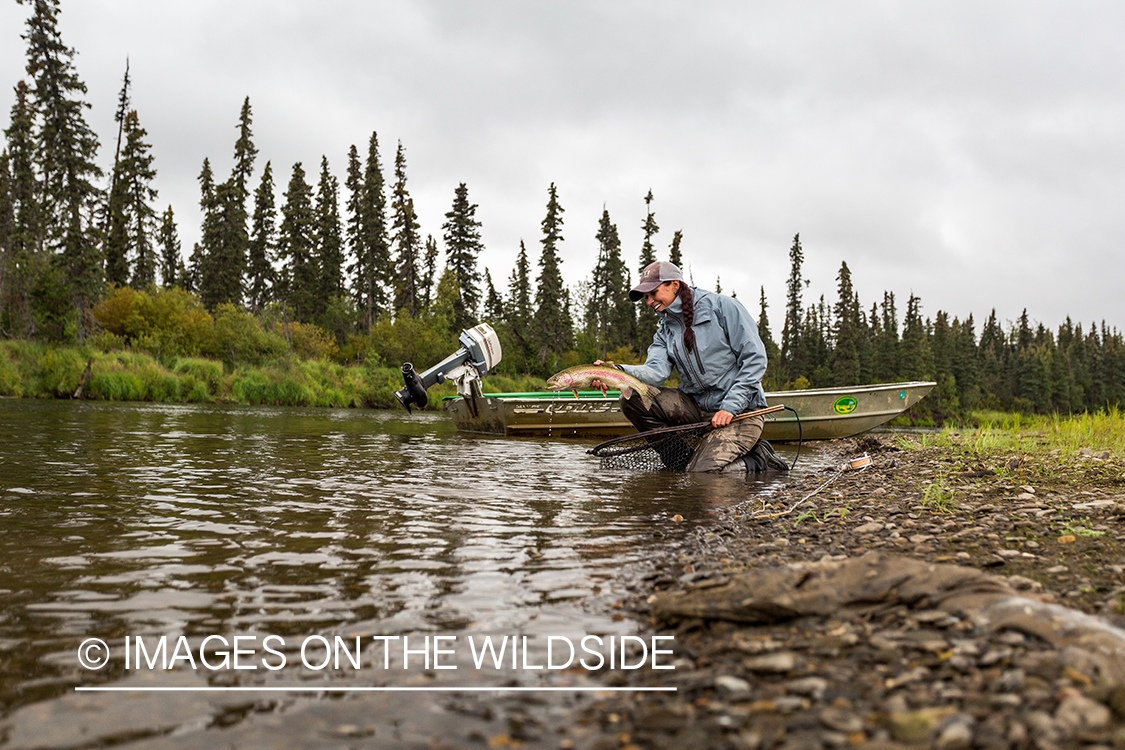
[876, 580]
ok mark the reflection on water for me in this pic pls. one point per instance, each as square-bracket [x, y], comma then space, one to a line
[135, 520]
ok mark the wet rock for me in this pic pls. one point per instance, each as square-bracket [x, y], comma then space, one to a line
[841, 720]
[916, 726]
[957, 734]
[85, 719]
[813, 687]
[1079, 714]
[732, 686]
[781, 661]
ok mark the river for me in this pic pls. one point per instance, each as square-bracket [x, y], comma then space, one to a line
[180, 555]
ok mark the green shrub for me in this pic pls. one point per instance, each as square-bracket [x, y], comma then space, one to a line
[116, 385]
[60, 372]
[269, 388]
[163, 322]
[238, 338]
[11, 384]
[206, 372]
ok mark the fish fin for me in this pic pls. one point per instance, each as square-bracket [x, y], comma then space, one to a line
[626, 392]
[574, 391]
[648, 396]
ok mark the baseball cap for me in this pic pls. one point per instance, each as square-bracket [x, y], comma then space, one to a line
[653, 276]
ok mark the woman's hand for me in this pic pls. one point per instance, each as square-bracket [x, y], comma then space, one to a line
[597, 384]
[722, 418]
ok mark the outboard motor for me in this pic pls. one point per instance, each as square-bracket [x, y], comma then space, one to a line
[479, 353]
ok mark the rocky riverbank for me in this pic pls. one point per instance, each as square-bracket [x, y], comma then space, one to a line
[929, 599]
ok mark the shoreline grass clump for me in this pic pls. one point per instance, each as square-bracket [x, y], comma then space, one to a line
[1035, 434]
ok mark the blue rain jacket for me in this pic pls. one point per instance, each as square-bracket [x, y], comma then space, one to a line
[726, 367]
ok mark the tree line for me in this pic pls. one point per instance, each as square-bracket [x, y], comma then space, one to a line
[353, 262]
[1024, 367]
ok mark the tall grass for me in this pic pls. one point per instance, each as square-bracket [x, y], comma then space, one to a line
[30, 369]
[1067, 434]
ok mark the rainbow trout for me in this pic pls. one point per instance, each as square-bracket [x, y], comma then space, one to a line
[582, 376]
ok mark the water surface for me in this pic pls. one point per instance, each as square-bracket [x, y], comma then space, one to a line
[156, 520]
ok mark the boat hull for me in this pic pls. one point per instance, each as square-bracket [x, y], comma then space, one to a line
[825, 413]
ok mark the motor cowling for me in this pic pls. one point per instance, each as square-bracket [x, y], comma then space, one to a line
[479, 353]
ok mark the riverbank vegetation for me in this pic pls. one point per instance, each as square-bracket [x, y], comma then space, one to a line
[313, 297]
[36, 370]
[1015, 435]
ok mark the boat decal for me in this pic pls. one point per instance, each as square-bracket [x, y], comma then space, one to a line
[569, 407]
[845, 405]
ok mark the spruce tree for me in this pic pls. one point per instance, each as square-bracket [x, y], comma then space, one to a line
[194, 271]
[791, 359]
[429, 275]
[445, 302]
[299, 274]
[116, 250]
[553, 328]
[609, 312]
[7, 216]
[206, 252]
[379, 253]
[168, 238]
[965, 368]
[407, 240]
[674, 249]
[916, 362]
[462, 247]
[263, 244]
[328, 242]
[137, 173]
[519, 312]
[123, 108]
[370, 269]
[865, 335]
[7, 220]
[845, 359]
[886, 345]
[773, 353]
[245, 153]
[646, 316]
[65, 148]
[24, 263]
[115, 223]
[993, 355]
[493, 302]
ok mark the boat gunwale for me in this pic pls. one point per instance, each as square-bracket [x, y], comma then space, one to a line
[597, 395]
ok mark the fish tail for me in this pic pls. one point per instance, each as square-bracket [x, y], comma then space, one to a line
[648, 395]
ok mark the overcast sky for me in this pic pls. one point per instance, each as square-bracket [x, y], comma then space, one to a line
[971, 153]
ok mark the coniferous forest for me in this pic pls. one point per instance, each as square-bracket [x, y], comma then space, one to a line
[293, 266]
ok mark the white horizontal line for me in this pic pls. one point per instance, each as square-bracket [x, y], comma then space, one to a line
[327, 689]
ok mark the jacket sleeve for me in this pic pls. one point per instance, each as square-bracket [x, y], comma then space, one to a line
[658, 365]
[750, 358]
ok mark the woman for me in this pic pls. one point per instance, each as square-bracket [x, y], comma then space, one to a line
[714, 344]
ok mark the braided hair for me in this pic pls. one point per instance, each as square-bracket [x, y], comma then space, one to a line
[688, 301]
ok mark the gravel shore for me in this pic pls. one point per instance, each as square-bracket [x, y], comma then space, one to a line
[897, 641]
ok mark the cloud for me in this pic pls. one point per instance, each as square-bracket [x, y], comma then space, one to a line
[969, 153]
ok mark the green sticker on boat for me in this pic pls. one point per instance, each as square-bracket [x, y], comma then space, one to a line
[845, 405]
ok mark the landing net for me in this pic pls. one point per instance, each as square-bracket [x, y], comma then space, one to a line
[668, 448]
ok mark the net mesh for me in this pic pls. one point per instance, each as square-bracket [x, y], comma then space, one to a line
[651, 451]
[673, 447]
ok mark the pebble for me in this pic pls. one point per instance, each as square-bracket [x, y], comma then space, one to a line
[841, 720]
[814, 687]
[957, 734]
[1079, 713]
[889, 673]
[780, 661]
[732, 686]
